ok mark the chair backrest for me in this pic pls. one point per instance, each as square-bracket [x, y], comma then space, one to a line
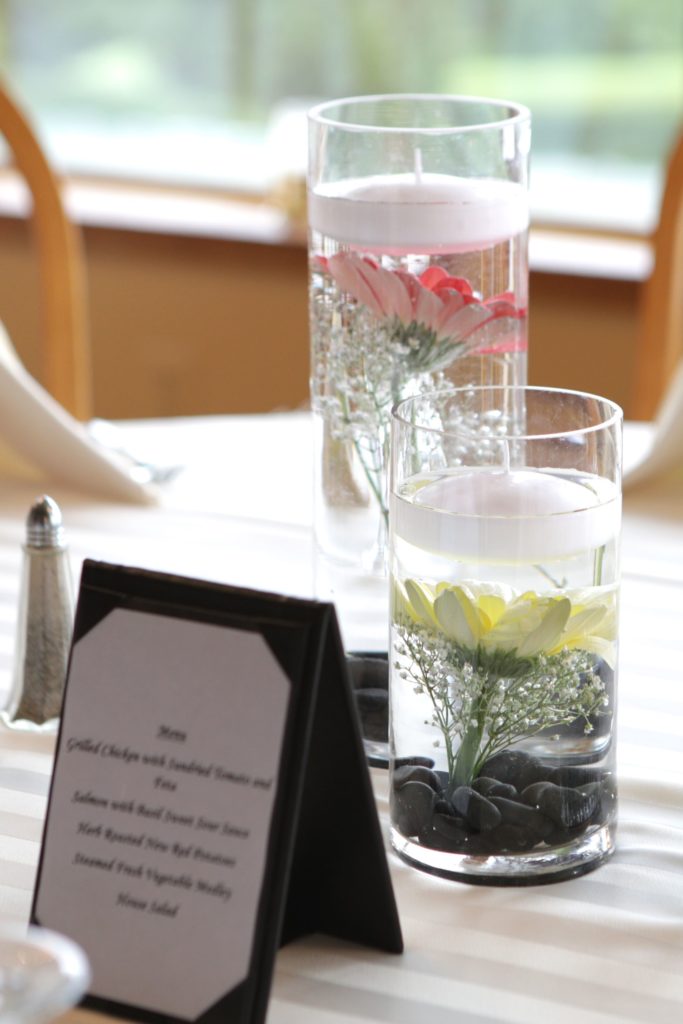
[660, 335]
[61, 266]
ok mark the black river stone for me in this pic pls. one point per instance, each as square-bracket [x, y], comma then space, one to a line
[573, 776]
[453, 829]
[368, 670]
[531, 794]
[492, 787]
[372, 705]
[416, 773]
[479, 812]
[508, 838]
[568, 808]
[559, 836]
[399, 762]
[412, 808]
[515, 768]
[536, 825]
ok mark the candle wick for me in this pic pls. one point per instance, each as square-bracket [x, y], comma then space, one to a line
[418, 166]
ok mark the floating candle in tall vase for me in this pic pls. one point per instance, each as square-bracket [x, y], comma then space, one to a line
[418, 222]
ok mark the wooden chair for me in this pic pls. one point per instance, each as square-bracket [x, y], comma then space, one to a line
[65, 347]
[660, 340]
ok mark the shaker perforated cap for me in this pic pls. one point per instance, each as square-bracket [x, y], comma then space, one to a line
[44, 524]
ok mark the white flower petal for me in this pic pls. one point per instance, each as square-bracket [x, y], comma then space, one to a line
[420, 603]
[451, 618]
[546, 634]
[586, 621]
[605, 649]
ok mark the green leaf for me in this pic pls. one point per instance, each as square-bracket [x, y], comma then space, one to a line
[463, 771]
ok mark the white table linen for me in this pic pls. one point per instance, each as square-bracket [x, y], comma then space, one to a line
[606, 948]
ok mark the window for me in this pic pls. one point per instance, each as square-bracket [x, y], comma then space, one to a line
[193, 91]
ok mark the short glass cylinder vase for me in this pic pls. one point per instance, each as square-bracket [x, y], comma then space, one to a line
[504, 550]
[418, 216]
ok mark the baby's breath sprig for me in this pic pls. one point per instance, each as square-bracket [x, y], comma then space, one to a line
[484, 701]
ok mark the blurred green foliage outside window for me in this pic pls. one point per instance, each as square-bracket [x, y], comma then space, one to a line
[188, 90]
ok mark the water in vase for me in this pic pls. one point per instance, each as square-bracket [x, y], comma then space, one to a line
[503, 651]
[405, 296]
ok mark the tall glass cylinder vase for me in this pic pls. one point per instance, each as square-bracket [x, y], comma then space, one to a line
[418, 222]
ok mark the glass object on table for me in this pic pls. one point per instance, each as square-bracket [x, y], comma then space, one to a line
[44, 623]
[418, 218]
[42, 974]
[505, 522]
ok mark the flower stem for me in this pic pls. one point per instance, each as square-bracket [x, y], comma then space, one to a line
[466, 758]
[371, 474]
[370, 477]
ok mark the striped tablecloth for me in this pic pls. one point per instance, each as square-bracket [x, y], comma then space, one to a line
[606, 948]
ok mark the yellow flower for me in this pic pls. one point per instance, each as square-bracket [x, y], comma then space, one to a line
[495, 617]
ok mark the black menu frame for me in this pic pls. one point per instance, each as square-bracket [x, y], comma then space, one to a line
[325, 865]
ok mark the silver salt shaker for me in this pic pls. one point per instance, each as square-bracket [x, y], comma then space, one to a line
[45, 622]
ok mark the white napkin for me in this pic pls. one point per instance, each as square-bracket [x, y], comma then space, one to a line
[40, 440]
[662, 455]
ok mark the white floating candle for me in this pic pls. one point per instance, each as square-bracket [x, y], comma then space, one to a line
[419, 213]
[525, 515]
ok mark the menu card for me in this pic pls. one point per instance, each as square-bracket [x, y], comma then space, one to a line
[209, 799]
